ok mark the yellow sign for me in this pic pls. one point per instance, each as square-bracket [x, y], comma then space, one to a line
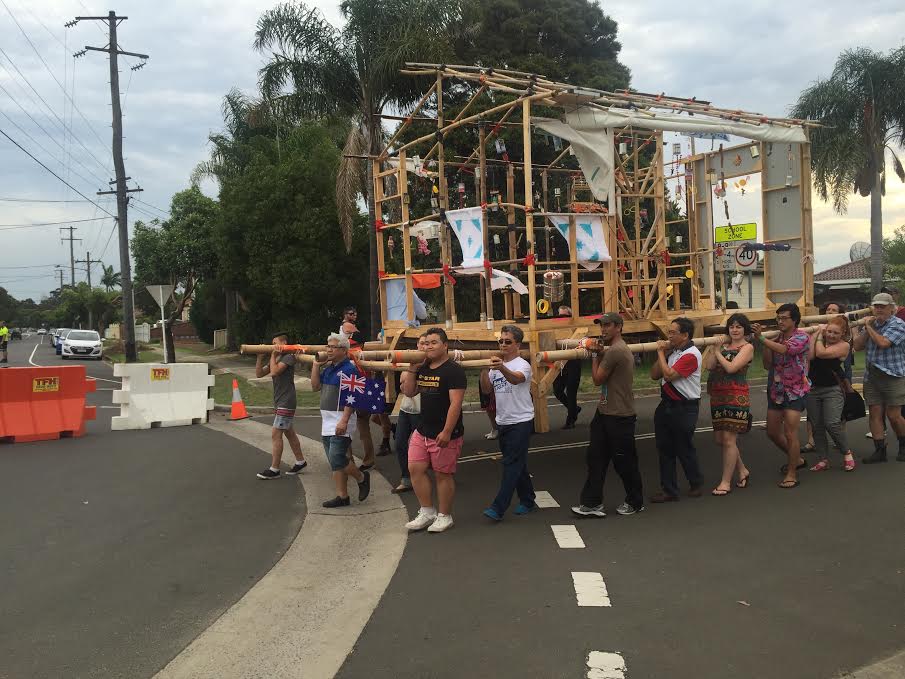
[43, 385]
[160, 374]
[724, 234]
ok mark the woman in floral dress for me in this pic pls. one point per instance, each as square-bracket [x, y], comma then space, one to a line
[730, 402]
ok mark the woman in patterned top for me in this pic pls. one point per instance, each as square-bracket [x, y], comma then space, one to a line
[730, 402]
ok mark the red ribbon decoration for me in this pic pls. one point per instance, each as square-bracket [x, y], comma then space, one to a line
[620, 236]
[378, 224]
[447, 274]
[381, 274]
[484, 205]
[487, 265]
[664, 257]
[529, 259]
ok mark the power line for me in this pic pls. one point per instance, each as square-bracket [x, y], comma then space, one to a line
[62, 123]
[68, 221]
[164, 212]
[38, 200]
[23, 149]
[107, 244]
[31, 266]
[35, 49]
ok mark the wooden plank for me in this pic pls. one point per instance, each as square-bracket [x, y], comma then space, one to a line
[573, 267]
[807, 230]
[529, 206]
[406, 240]
[486, 287]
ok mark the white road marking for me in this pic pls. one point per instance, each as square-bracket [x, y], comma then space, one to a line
[602, 665]
[590, 590]
[567, 537]
[100, 379]
[33, 355]
[544, 500]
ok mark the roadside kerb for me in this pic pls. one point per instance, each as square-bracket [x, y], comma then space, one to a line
[312, 595]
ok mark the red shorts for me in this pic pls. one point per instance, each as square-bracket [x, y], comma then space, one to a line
[422, 449]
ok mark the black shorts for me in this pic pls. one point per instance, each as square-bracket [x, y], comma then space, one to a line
[3, 346]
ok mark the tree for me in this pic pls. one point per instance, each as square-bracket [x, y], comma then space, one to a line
[180, 251]
[278, 241]
[863, 112]
[316, 70]
[111, 279]
[569, 41]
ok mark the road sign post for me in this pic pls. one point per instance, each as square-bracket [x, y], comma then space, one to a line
[161, 294]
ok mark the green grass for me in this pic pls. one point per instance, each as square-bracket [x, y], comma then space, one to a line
[143, 357]
[254, 395]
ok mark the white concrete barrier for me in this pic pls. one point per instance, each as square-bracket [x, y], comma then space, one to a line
[162, 395]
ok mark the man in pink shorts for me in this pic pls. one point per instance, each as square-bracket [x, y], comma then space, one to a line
[437, 441]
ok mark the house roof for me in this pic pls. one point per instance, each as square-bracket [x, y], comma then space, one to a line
[857, 270]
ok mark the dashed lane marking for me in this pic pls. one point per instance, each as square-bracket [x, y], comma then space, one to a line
[603, 665]
[590, 589]
[544, 500]
[567, 537]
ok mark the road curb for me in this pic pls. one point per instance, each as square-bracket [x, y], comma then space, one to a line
[306, 595]
[891, 668]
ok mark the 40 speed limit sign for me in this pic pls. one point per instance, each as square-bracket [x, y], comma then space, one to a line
[732, 256]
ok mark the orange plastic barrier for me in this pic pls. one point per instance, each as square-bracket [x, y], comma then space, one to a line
[42, 404]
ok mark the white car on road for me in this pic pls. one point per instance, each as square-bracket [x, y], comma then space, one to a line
[82, 344]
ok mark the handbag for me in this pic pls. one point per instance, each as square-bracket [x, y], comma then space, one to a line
[853, 409]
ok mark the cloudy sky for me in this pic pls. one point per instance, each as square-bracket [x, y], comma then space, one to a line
[743, 55]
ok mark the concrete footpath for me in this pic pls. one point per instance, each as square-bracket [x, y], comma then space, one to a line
[303, 618]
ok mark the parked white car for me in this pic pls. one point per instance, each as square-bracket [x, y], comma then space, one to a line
[82, 344]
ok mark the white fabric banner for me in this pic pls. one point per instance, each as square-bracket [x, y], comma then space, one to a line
[594, 150]
[468, 225]
[590, 239]
[501, 279]
[587, 119]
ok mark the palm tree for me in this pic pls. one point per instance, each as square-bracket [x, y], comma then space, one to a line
[863, 109]
[111, 279]
[316, 70]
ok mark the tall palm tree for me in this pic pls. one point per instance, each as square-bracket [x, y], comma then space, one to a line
[863, 109]
[317, 70]
[111, 279]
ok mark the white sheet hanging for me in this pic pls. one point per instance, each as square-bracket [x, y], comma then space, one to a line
[590, 238]
[594, 150]
[468, 225]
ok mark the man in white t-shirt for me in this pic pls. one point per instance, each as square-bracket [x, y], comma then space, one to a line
[510, 379]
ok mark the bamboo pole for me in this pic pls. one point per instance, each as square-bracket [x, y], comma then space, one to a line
[649, 347]
[412, 356]
[252, 349]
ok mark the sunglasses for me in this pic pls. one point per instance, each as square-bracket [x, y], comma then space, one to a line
[506, 341]
[783, 318]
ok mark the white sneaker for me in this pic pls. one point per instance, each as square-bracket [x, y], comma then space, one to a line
[625, 509]
[492, 436]
[443, 522]
[423, 519]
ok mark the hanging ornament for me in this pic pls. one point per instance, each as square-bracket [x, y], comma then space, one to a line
[435, 196]
[391, 244]
[689, 274]
[500, 146]
[494, 200]
[423, 247]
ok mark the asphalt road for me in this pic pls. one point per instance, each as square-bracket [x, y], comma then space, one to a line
[773, 583]
[121, 547]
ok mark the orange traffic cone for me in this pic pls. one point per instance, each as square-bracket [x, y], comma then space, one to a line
[237, 411]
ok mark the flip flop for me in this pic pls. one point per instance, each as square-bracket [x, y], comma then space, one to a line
[398, 490]
[801, 465]
[787, 485]
[719, 492]
[743, 483]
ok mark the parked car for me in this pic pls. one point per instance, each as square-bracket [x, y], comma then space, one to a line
[61, 336]
[55, 335]
[42, 331]
[15, 334]
[82, 344]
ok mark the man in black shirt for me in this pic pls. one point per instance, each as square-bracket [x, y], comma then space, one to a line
[437, 441]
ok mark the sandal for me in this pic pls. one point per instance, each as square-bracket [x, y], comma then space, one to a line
[808, 448]
[719, 492]
[788, 483]
[849, 464]
[801, 465]
[401, 488]
[822, 466]
[744, 481]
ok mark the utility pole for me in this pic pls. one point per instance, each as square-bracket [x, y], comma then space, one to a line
[87, 262]
[71, 240]
[122, 199]
[60, 271]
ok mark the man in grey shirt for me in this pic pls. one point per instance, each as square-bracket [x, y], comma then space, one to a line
[281, 369]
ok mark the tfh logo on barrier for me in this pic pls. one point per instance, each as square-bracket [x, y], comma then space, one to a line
[160, 374]
[43, 385]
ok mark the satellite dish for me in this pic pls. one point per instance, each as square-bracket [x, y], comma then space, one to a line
[858, 251]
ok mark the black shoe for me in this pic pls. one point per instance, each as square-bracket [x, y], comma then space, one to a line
[268, 474]
[570, 424]
[337, 502]
[365, 467]
[297, 467]
[384, 449]
[364, 488]
[878, 456]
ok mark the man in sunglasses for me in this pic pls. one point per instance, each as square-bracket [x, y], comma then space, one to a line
[788, 385]
[509, 377]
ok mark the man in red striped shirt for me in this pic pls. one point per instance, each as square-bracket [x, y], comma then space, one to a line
[679, 373]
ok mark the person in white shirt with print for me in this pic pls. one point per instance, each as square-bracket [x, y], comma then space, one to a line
[510, 379]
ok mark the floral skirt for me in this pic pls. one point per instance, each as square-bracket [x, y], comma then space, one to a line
[730, 403]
